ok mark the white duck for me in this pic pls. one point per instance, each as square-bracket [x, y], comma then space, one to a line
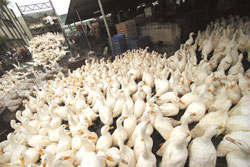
[238, 123]
[119, 131]
[176, 153]
[163, 125]
[104, 142]
[225, 146]
[146, 157]
[176, 132]
[202, 151]
[127, 154]
[130, 121]
[239, 158]
[138, 146]
[196, 108]
[218, 117]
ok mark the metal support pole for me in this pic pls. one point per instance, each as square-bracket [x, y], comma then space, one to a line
[106, 25]
[83, 29]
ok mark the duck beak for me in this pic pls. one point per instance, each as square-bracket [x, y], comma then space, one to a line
[193, 114]
[111, 159]
[232, 86]
[91, 138]
[221, 127]
[158, 99]
[111, 127]
[22, 160]
[125, 118]
[81, 133]
[41, 152]
[181, 102]
[67, 125]
[230, 139]
[66, 158]
[142, 139]
[153, 112]
[1, 152]
[90, 124]
[44, 165]
[188, 134]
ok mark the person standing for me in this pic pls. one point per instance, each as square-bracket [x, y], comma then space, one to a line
[50, 22]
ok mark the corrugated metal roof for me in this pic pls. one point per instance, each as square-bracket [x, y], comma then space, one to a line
[86, 8]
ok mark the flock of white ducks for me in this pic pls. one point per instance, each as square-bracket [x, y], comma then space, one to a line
[138, 93]
[47, 49]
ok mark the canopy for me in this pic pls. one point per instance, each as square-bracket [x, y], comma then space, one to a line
[89, 8]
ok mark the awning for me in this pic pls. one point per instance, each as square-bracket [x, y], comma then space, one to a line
[89, 8]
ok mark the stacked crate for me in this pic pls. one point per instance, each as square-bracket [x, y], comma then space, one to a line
[119, 43]
[128, 28]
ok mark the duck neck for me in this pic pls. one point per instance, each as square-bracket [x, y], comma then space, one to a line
[145, 151]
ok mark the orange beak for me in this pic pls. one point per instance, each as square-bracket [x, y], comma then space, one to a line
[153, 112]
[67, 125]
[109, 158]
[90, 124]
[142, 139]
[66, 158]
[221, 127]
[41, 152]
[22, 160]
[111, 127]
[209, 90]
[188, 134]
[91, 138]
[1, 152]
[81, 132]
[44, 165]
[193, 114]
[232, 86]
[181, 102]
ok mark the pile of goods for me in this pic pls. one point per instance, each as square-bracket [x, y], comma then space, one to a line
[139, 95]
[47, 49]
